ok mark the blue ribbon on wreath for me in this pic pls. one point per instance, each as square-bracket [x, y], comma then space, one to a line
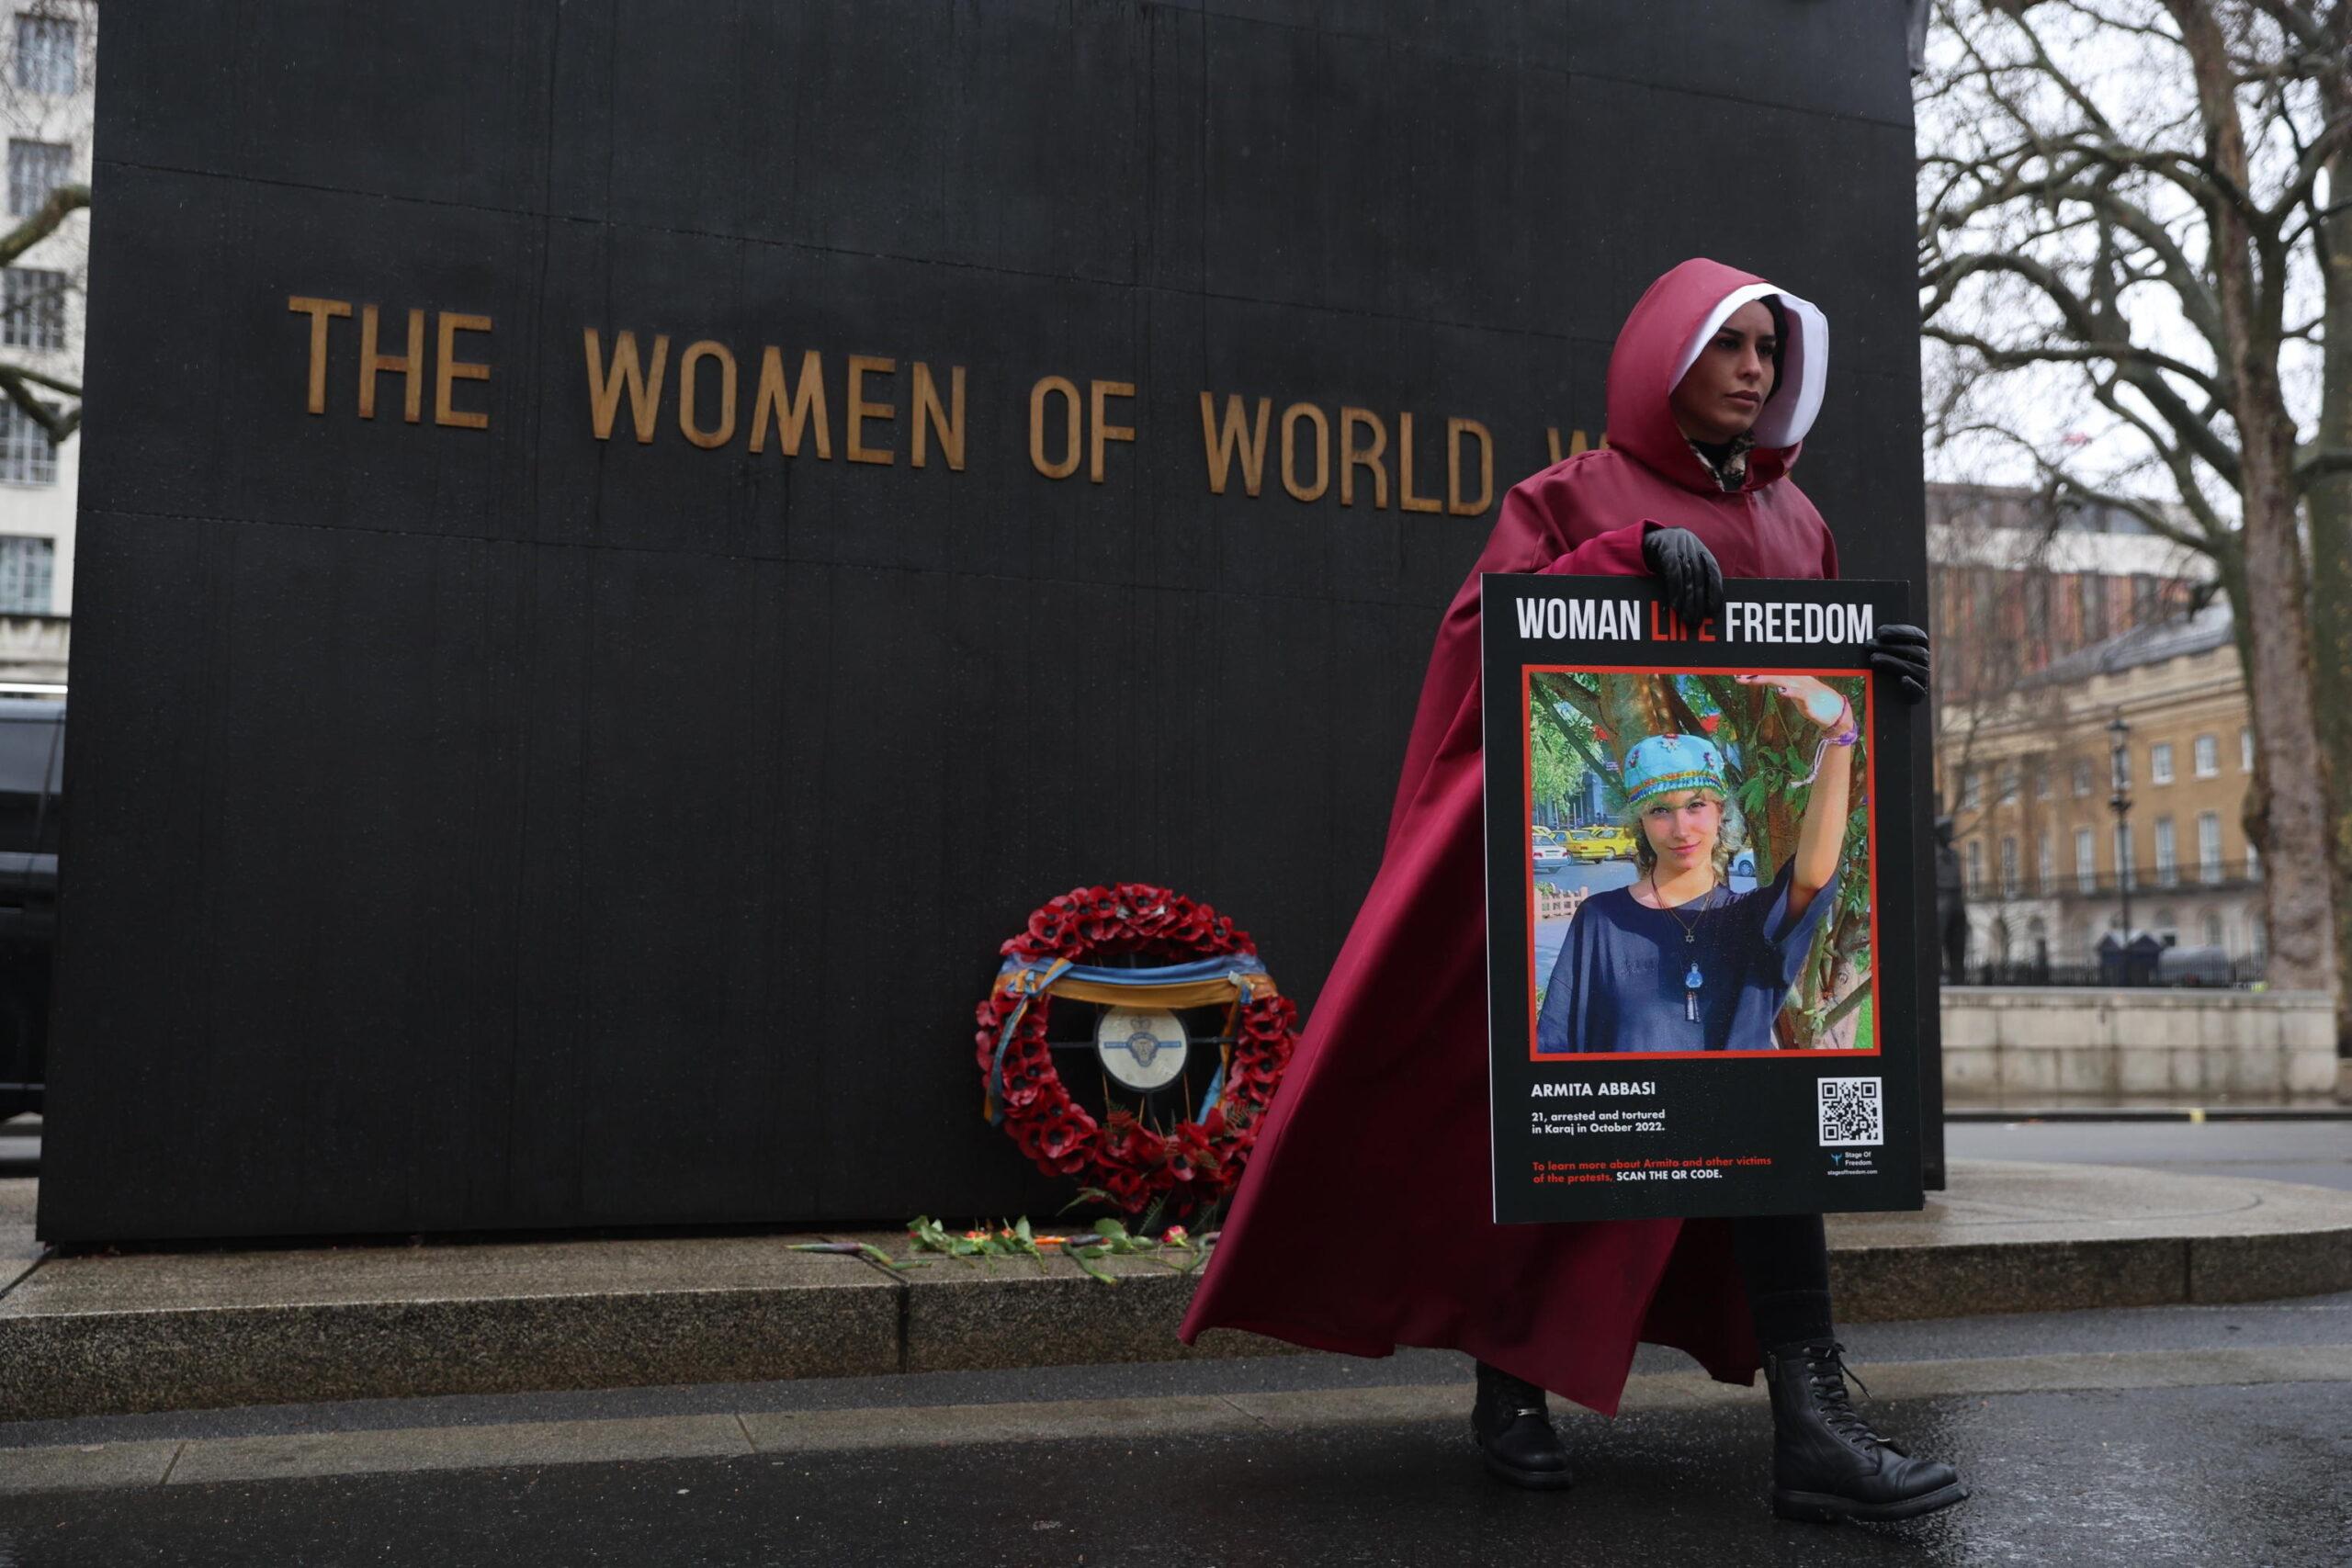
[1029, 978]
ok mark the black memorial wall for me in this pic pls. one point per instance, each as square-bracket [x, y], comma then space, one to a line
[480, 821]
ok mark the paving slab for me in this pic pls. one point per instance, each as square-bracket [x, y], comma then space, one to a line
[302, 1454]
[18, 1250]
[79, 1466]
[1302, 1412]
[1039, 1421]
[2018, 1236]
[964, 1315]
[91, 1334]
[164, 1331]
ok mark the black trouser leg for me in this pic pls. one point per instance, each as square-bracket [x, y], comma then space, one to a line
[1826, 1462]
[1784, 1259]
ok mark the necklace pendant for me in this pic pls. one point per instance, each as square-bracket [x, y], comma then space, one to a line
[1690, 1006]
[1694, 980]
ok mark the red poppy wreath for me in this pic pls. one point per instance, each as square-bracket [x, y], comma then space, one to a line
[1195, 1163]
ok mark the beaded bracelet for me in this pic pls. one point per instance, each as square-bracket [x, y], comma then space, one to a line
[1845, 737]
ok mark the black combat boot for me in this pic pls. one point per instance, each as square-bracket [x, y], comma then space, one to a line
[1513, 1427]
[1826, 1462]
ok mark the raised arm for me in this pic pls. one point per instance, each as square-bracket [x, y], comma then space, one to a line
[1821, 831]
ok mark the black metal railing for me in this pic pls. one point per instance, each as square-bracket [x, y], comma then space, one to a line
[2190, 876]
[2211, 973]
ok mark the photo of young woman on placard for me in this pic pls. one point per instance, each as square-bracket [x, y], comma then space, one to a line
[1715, 896]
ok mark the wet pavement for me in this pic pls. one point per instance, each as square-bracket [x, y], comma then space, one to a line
[2222, 1473]
[2202, 1476]
[2316, 1152]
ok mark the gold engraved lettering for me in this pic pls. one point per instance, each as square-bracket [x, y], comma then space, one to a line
[1455, 429]
[1576, 443]
[1069, 464]
[1406, 498]
[790, 406]
[409, 367]
[1352, 457]
[861, 366]
[1101, 392]
[949, 422]
[644, 389]
[1220, 445]
[1291, 418]
[449, 370]
[319, 311]
[724, 431]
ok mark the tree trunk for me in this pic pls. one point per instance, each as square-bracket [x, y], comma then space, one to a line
[2299, 869]
[2327, 505]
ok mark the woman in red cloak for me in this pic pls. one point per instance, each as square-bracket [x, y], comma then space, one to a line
[1715, 380]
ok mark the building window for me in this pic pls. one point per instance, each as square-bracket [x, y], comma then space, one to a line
[2042, 781]
[2167, 927]
[2082, 780]
[2118, 767]
[2085, 861]
[2008, 777]
[2209, 846]
[2246, 750]
[2090, 604]
[2009, 868]
[2167, 854]
[1977, 865]
[2160, 763]
[2252, 861]
[2045, 865]
[2207, 756]
[1972, 790]
[2212, 929]
[28, 456]
[35, 169]
[32, 308]
[2126, 874]
[45, 55]
[27, 575]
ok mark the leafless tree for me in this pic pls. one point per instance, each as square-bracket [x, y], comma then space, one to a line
[32, 108]
[2146, 200]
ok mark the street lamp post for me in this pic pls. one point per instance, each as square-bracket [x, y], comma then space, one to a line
[2119, 735]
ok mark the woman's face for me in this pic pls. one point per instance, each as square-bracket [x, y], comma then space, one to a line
[1682, 829]
[1724, 391]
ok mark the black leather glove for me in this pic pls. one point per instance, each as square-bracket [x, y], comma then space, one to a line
[1901, 652]
[1688, 578]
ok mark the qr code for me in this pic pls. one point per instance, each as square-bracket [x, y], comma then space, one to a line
[1852, 1111]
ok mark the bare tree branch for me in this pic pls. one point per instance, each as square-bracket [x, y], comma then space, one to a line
[18, 385]
[43, 222]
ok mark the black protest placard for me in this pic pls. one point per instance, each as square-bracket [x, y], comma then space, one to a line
[1699, 980]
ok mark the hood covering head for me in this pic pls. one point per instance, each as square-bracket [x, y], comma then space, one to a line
[1662, 337]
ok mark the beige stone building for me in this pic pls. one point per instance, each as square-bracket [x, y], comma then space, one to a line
[2030, 779]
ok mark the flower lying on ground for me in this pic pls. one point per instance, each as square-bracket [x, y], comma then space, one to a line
[1109, 1238]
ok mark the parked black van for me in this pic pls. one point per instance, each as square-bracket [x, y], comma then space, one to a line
[32, 764]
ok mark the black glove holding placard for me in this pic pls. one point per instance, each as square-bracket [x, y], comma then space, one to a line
[1901, 652]
[1688, 578]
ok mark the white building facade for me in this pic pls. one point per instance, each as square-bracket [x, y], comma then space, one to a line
[47, 80]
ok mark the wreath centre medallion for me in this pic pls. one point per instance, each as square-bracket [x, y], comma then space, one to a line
[1146, 955]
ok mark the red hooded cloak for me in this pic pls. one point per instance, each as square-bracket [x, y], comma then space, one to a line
[1364, 1220]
